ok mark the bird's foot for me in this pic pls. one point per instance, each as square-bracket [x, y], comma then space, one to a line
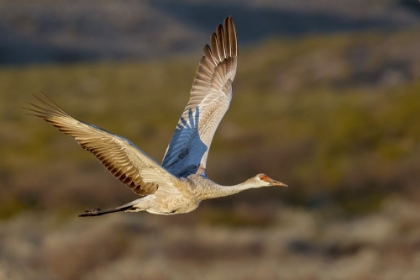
[90, 212]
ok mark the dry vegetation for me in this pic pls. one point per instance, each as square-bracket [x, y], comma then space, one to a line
[299, 244]
[336, 118]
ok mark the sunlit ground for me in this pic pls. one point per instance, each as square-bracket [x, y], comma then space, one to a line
[334, 117]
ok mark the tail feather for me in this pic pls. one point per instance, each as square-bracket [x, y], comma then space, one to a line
[98, 212]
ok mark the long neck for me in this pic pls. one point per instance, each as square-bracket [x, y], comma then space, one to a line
[213, 190]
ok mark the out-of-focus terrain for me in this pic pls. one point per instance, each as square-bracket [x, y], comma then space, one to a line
[334, 115]
[39, 31]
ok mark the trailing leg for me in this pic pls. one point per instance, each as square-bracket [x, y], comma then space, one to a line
[98, 212]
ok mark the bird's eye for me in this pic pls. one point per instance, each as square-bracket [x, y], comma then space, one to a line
[264, 178]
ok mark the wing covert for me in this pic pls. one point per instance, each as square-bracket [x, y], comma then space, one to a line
[122, 158]
[211, 94]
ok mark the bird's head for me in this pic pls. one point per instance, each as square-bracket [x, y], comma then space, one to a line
[264, 181]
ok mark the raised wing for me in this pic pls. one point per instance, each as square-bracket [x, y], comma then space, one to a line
[122, 158]
[211, 94]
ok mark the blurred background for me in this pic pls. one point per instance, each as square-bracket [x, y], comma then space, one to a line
[326, 100]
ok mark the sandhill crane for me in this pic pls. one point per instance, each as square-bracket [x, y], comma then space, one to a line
[180, 183]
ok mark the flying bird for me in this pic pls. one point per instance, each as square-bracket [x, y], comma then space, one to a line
[180, 183]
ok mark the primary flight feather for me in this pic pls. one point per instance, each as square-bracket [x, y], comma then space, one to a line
[180, 183]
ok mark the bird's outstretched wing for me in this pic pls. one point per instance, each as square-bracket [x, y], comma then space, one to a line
[121, 157]
[211, 94]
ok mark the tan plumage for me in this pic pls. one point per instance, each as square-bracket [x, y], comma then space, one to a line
[211, 94]
[180, 183]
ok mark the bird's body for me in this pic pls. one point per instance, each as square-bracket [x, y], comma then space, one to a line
[180, 183]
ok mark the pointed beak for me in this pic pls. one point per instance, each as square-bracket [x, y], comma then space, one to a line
[277, 183]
